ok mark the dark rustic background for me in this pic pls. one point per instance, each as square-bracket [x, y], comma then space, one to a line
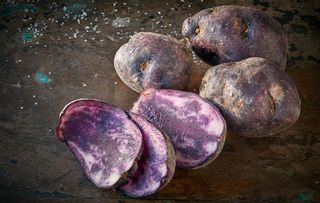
[52, 52]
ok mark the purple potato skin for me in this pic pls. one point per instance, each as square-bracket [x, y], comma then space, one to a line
[233, 33]
[104, 140]
[153, 60]
[195, 127]
[255, 97]
[156, 165]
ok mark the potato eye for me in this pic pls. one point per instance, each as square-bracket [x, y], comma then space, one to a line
[197, 30]
[143, 65]
[245, 29]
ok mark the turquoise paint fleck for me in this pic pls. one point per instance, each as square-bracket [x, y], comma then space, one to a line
[26, 36]
[75, 8]
[304, 196]
[42, 78]
[12, 8]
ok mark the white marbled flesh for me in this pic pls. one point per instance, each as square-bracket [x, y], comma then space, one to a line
[195, 126]
[153, 170]
[103, 139]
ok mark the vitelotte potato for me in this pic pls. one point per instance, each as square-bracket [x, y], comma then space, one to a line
[153, 60]
[255, 96]
[233, 33]
[103, 139]
[156, 165]
[195, 127]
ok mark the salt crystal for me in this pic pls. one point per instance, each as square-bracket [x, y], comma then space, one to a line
[121, 22]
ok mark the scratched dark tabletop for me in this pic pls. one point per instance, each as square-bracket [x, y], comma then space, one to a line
[52, 52]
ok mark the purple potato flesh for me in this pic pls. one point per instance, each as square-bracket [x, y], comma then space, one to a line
[255, 97]
[156, 165]
[233, 33]
[102, 138]
[153, 60]
[195, 126]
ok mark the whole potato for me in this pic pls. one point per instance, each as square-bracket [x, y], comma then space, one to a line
[153, 60]
[233, 33]
[255, 97]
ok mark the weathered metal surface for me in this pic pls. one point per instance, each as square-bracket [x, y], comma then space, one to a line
[46, 66]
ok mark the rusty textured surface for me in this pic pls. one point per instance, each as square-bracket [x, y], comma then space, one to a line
[62, 59]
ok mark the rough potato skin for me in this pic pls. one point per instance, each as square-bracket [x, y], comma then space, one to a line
[233, 33]
[255, 97]
[153, 60]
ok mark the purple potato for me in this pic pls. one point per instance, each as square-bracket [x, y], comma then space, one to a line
[156, 165]
[195, 126]
[255, 97]
[233, 33]
[153, 60]
[103, 139]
